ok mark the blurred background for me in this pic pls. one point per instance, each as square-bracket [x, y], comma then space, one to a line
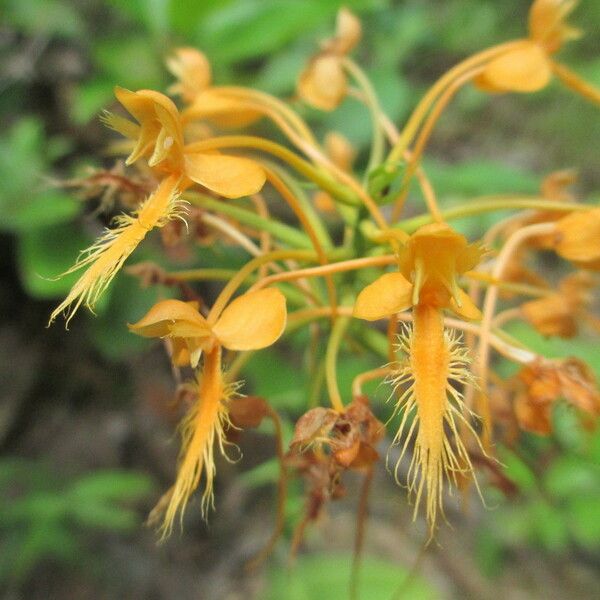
[87, 418]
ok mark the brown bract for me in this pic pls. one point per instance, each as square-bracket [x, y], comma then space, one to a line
[349, 437]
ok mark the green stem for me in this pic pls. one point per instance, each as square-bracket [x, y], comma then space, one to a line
[333, 346]
[323, 180]
[372, 103]
[311, 215]
[477, 207]
[283, 232]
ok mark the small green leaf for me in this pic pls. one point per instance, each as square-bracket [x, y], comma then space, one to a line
[44, 254]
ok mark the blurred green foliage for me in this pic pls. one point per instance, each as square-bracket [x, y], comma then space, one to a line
[44, 516]
[59, 69]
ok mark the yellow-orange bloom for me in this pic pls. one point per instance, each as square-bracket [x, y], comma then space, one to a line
[558, 314]
[251, 322]
[323, 84]
[106, 256]
[193, 73]
[159, 138]
[578, 238]
[529, 67]
[435, 360]
[429, 265]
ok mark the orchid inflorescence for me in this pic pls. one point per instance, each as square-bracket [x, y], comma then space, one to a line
[413, 290]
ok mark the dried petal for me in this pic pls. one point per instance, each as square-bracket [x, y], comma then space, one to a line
[316, 424]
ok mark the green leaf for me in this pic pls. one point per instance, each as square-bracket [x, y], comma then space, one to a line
[111, 485]
[584, 520]
[324, 576]
[253, 28]
[44, 254]
[128, 302]
[130, 61]
[97, 514]
[26, 202]
[479, 177]
[517, 470]
[570, 476]
[284, 387]
[47, 18]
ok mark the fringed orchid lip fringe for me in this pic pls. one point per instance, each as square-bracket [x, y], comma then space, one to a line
[436, 362]
[106, 256]
[202, 429]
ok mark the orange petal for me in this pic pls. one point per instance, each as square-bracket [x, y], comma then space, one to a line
[547, 23]
[192, 70]
[223, 110]
[323, 83]
[579, 238]
[348, 31]
[252, 321]
[467, 309]
[170, 316]
[388, 295]
[524, 69]
[229, 176]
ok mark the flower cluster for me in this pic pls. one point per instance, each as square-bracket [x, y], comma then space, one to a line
[413, 289]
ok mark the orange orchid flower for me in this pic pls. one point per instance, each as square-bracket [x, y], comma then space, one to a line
[158, 138]
[205, 101]
[529, 66]
[559, 314]
[429, 264]
[323, 84]
[578, 239]
[252, 321]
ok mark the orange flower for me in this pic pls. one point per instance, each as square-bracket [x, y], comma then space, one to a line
[544, 382]
[194, 85]
[252, 321]
[159, 137]
[578, 239]
[529, 67]
[193, 73]
[323, 84]
[558, 314]
[430, 264]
